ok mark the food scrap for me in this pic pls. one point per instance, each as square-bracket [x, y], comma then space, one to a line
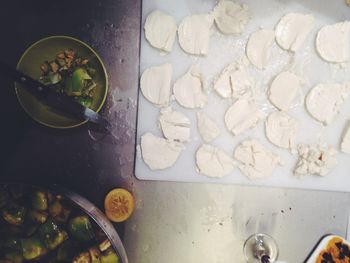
[72, 74]
[336, 251]
[119, 205]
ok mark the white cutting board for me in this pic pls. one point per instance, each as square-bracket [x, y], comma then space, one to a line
[226, 49]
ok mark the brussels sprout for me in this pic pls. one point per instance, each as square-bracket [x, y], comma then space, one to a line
[51, 233]
[66, 251]
[39, 201]
[37, 216]
[109, 257]
[4, 196]
[33, 248]
[59, 212]
[14, 214]
[14, 256]
[83, 257]
[81, 228]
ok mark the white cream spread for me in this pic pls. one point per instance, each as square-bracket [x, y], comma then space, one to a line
[284, 89]
[315, 160]
[155, 84]
[293, 29]
[325, 100]
[281, 129]
[160, 30]
[259, 47]
[175, 125]
[345, 142]
[159, 153]
[213, 162]
[257, 161]
[241, 116]
[207, 127]
[188, 90]
[234, 82]
[231, 17]
[194, 34]
[332, 42]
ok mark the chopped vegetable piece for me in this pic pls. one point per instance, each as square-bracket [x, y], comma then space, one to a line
[104, 245]
[80, 227]
[44, 68]
[55, 208]
[54, 66]
[83, 257]
[14, 214]
[69, 53]
[14, 256]
[109, 257]
[119, 205]
[85, 101]
[76, 84]
[39, 201]
[95, 255]
[33, 248]
[37, 216]
[52, 234]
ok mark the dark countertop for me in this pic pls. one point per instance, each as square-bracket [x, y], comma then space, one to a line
[76, 158]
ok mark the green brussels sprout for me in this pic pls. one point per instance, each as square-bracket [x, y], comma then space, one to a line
[52, 234]
[80, 228]
[39, 201]
[33, 248]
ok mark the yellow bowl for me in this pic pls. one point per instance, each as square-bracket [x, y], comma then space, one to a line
[45, 50]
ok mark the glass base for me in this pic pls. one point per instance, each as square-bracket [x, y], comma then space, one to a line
[260, 248]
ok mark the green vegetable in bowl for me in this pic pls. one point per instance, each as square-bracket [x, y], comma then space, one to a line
[52, 234]
[37, 216]
[33, 248]
[39, 201]
[14, 214]
[80, 227]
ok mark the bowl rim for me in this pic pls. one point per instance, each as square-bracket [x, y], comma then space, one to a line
[86, 46]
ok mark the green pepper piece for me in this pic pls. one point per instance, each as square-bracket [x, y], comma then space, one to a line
[33, 248]
[66, 251]
[37, 216]
[39, 201]
[109, 257]
[14, 255]
[4, 197]
[14, 214]
[51, 233]
[75, 84]
[80, 227]
[85, 101]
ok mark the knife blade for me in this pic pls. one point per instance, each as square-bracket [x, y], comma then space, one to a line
[57, 100]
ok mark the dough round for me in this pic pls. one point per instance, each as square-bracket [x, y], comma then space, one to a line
[241, 116]
[155, 84]
[188, 90]
[325, 100]
[194, 34]
[332, 42]
[284, 89]
[160, 30]
[257, 161]
[175, 125]
[159, 153]
[231, 17]
[213, 162]
[207, 127]
[281, 129]
[293, 29]
[259, 47]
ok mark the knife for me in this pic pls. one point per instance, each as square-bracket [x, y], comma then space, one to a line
[57, 100]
